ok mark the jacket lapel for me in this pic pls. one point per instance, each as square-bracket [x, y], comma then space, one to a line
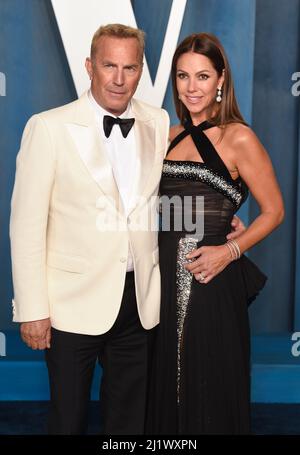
[89, 146]
[144, 130]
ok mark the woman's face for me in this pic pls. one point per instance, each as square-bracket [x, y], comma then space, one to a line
[197, 82]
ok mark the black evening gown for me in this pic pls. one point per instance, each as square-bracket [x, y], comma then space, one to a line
[200, 377]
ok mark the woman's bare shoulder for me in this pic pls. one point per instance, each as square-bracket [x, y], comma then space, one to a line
[244, 141]
[238, 132]
[240, 135]
[174, 131]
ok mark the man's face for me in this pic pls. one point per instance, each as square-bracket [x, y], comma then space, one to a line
[115, 71]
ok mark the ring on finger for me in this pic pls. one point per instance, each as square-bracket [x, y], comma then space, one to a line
[201, 276]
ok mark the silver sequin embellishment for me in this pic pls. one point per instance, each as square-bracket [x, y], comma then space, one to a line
[199, 171]
[183, 283]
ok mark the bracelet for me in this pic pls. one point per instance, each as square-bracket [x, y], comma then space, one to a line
[234, 249]
[230, 247]
[237, 248]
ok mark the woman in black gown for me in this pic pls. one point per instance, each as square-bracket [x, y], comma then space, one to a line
[200, 377]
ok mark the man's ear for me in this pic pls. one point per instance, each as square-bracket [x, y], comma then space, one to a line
[89, 67]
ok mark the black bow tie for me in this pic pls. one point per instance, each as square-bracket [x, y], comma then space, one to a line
[125, 124]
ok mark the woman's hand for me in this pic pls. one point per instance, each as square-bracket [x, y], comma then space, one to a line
[209, 261]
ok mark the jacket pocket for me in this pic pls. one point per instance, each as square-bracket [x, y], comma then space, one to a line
[73, 264]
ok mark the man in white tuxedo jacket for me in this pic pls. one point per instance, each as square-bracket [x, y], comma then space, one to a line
[84, 246]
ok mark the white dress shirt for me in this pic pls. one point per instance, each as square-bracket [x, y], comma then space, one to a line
[122, 155]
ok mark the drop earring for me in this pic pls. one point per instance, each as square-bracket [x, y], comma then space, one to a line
[219, 95]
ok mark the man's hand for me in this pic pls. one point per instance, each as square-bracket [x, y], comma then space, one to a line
[238, 228]
[36, 334]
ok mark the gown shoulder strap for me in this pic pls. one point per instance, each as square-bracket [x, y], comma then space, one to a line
[177, 139]
[206, 149]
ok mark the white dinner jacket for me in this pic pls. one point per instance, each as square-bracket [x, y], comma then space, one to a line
[69, 233]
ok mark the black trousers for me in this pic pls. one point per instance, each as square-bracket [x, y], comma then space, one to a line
[123, 354]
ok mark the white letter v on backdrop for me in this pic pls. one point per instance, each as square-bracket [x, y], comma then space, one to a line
[78, 20]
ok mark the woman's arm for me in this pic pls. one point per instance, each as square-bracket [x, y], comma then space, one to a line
[255, 168]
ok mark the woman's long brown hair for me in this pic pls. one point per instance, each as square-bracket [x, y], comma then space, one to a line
[207, 44]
